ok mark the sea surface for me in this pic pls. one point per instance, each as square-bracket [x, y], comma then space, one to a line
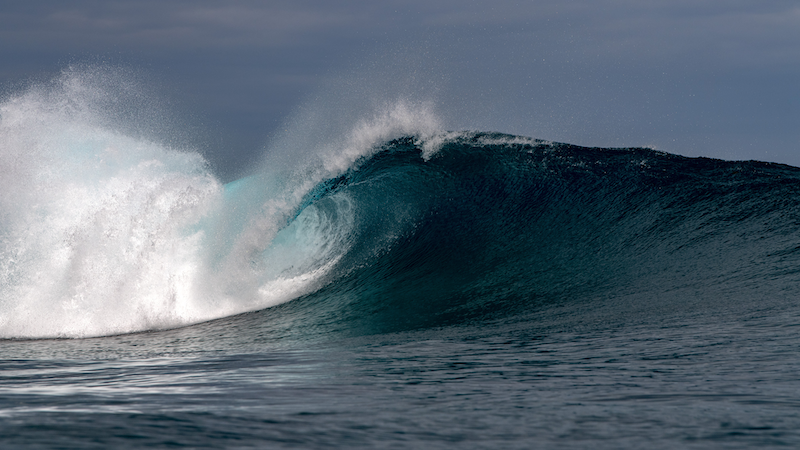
[397, 286]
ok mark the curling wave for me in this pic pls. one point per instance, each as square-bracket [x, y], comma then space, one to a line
[391, 225]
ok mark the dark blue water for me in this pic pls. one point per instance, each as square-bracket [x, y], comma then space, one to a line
[402, 288]
[688, 381]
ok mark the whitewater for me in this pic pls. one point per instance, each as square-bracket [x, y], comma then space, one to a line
[384, 282]
[104, 233]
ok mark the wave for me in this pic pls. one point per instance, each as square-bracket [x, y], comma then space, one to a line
[389, 225]
[498, 227]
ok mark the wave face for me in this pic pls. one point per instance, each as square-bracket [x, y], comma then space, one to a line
[496, 227]
[393, 225]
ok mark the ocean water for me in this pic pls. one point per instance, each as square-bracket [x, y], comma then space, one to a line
[395, 285]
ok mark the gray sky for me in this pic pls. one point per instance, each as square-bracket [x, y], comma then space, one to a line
[694, 77]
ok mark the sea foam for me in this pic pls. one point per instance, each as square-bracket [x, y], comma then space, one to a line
[104, 230]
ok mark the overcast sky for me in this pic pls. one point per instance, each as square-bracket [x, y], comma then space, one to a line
[695, 77]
